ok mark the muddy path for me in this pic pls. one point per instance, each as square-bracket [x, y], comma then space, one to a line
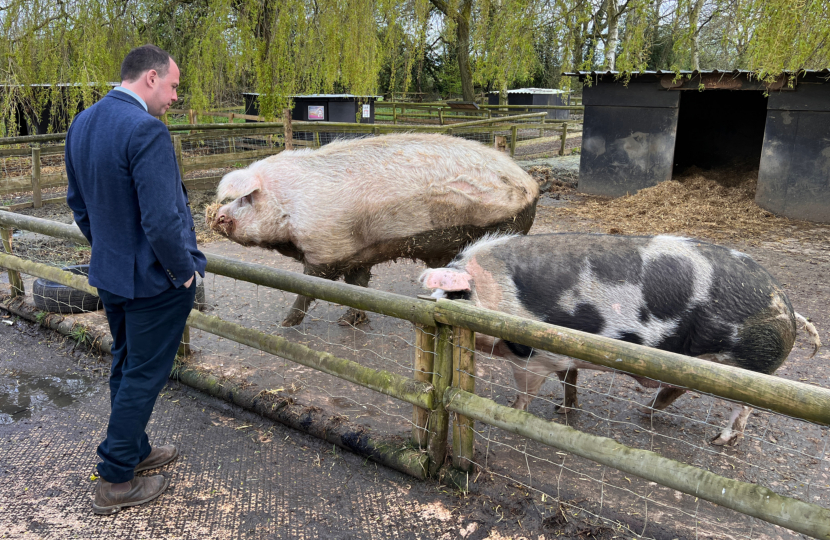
[534, 484]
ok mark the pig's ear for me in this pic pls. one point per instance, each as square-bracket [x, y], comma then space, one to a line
[238, 184]
[446, 279]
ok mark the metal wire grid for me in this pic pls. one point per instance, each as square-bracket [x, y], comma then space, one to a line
[384, 343]
[784, 454]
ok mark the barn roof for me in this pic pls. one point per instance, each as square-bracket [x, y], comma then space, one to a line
[734, 72]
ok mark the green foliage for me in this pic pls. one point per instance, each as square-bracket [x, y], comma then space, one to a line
[287, 47]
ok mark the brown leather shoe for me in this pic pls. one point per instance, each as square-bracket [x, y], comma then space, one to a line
[142, 489]
[160, 455]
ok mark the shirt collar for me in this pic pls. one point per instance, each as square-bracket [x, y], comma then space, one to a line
[132, 94]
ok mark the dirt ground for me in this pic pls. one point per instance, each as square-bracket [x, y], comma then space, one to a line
[529, 484]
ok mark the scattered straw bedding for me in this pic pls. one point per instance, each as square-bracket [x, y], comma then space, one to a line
[714, 204]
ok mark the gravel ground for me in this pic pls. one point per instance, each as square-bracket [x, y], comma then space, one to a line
[521, 478]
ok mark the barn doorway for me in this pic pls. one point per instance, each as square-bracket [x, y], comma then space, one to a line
[718, 129]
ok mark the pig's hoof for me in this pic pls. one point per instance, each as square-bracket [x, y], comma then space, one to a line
[294, 318]
[353, 317]
[645, 411]
[726, 438]
[562, 409]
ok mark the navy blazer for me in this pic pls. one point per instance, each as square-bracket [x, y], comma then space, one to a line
[129, 201]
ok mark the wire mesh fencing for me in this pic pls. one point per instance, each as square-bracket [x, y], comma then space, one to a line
[372, 340]
[34, 173]
[31, 173]
[784, 454]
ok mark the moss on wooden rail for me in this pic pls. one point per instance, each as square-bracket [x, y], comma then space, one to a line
[394, 454]
[43, 226]
[743, 497]
[395, 305]
[791, 398]
[391, 384]
[51, 273]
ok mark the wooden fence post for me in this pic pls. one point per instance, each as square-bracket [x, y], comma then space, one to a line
[514, 134]
[441, 380]
[441, 117]
[564, 139]
[424, 363]
[192, 117]
[394, 114]
[289, 130]
[177, 148]
[464, 366]
[14, 276]
[184, 346]
[36, 198]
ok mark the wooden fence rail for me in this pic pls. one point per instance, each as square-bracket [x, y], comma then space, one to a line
[450, 387]
[36, 182]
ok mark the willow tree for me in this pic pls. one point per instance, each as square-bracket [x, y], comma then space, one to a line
[503, 41]
[278, 48]
[51, 42]
[790, 35]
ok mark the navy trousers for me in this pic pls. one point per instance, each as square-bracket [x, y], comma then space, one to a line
[146, 333]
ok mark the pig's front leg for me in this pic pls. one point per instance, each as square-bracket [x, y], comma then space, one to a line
[298, 310]
[358, 276]
[300, 307]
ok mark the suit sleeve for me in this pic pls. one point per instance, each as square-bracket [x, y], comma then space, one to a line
[74, 199]
[156, 176]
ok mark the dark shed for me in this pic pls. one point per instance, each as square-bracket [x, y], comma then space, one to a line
[637, 134]
[324, 107]
[32, 120]
[535, 96]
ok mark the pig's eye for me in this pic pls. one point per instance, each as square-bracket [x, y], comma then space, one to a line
[248, 199]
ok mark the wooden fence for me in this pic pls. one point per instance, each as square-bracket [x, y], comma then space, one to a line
[444, 383]
[273, 132]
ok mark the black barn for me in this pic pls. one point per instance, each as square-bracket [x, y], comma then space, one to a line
[638, 133]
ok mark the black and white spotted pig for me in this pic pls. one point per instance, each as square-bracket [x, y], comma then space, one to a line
[670, 293]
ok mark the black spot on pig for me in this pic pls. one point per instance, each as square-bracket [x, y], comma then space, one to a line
[697, 333]
[763, 347]
[586, 318]
[616, 267]
[643, 315]
[740, 287]
[631, 337]
[668, 285]
[522, 351]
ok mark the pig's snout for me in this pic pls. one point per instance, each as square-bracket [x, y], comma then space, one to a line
[219, 220]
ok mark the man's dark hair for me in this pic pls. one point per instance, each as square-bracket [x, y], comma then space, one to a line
[143, 59]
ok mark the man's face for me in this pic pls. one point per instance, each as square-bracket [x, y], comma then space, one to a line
[162, 89]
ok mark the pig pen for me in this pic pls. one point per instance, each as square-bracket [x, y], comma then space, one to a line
[535, 488]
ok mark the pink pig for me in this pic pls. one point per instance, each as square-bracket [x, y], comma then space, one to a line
[353, 204]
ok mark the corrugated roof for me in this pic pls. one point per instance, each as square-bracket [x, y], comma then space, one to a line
[692, 72]
[317, 95]
[533, 91]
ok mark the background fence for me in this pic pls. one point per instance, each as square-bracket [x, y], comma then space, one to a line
[622, 471]
[32, 170]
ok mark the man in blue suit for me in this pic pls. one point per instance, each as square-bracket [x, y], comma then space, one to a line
[129, 201]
